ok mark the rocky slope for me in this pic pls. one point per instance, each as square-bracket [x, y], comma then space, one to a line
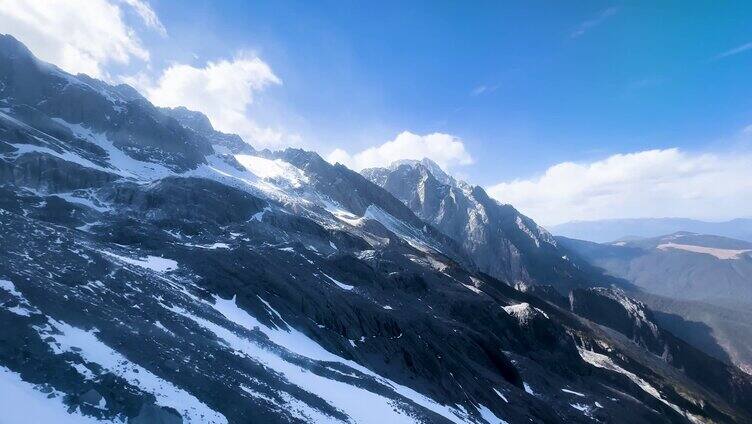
[693, 280]
[153, 270]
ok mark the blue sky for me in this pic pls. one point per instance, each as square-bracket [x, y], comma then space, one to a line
[641, 77]
[523, 86]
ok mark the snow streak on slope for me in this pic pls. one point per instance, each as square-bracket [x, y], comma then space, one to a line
[125, 165]
[66, 338]
[20, 402]
[362, 405]
[154, 263]
[603, 361]
[275, 170]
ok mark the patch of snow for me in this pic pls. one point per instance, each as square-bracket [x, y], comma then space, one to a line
[212, 246]
[341, 285]
[154, 263]
[489, 416]
[298, 343]
[585, 409]
[359, 404]
[387, 307]
[91, 349]
[472, 288]
[523, 311]
[542, 313]
[411, 235]
[259, 216]
[66, 156]
[24, 308]
[521, 225]
[275, 170]
[10, 288]
[725, 254]
[528, 389]
[83, 370]
[603, 361]
[162, 327]
[22, 403]
[501, 395]
[572, 392]
[125, 165]
[546, 236]
[70, 198]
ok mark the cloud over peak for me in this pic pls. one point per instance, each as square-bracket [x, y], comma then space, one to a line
[223, 90]
[444, 149]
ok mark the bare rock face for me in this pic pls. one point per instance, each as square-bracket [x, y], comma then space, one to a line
[614, 309]
[500, 240]
[153, 414]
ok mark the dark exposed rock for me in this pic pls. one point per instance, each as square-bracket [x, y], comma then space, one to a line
[49, 174]
[153, 414]
[200, 294]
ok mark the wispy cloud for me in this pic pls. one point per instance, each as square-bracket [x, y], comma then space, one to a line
[484, 89]
[734, 51]
[147, 14]
[594, 22]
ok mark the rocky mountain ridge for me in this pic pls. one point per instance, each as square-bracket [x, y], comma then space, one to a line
[155, 270]
[503, 242]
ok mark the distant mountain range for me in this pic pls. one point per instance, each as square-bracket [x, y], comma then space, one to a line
[702, 278]
[608, 230]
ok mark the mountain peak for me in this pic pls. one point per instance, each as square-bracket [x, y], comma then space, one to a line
[430, 166]
[192, 119]
[9, 46]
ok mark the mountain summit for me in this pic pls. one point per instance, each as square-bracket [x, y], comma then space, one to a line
[503, 242]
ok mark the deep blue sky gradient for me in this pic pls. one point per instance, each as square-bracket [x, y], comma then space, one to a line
[357, 73]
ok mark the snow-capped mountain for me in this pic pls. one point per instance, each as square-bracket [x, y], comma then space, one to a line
[154, 270]
[503, 242]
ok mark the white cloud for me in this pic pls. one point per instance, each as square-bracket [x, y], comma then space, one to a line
[77, 35]
[653, 183]
[484, 89]
[147, 14]
[734, 51]
[444, 149]
[589, 24]
[222, 90]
